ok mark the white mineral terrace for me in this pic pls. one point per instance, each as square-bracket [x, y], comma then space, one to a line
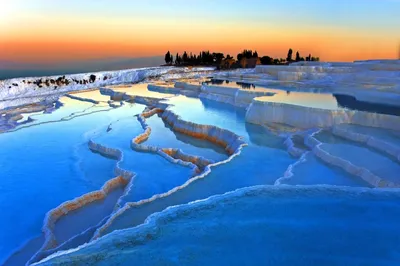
[355, 104]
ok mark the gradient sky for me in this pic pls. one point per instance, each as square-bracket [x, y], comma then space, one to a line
[46, 31]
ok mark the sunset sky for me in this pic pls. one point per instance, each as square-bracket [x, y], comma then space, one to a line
[45, 31]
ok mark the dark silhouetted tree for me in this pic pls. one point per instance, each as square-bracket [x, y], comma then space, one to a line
[218, 57]
[255, 54]
[185, 58]
[289, 56]
[297, 56]
[266, 60]
[168, 57]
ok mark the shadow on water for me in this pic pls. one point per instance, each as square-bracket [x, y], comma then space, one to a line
[351, 102]
[215, 106]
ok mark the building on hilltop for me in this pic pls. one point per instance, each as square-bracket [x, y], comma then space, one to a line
[249, 62]
[227, 63]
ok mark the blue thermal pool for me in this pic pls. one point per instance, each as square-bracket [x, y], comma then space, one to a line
[169, 179]
[297, 226]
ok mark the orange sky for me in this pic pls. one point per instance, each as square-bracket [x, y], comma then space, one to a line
[34, 37]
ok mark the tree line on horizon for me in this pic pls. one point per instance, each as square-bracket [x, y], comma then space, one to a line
[215, 58]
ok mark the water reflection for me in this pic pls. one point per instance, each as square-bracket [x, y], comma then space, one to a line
[256, 135]
[310, 99]
[227, 83]
[142, 90]
[350, 102]
[244, 85]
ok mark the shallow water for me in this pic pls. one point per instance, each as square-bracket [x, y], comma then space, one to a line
[163, 136]
[313, 171]
[388, 136]
[141, 90]
[47, 161]
[289, 226]
[294, 93]
[378, 163]
[45, 165]
[282, 95]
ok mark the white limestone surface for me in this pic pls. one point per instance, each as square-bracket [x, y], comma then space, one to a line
[25, 87]
[371, 141]
[261, 112]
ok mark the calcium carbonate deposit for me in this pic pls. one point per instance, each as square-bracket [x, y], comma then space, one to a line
[282, 165]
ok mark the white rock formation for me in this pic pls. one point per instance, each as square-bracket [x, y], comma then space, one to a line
[361, 172]
[370, 81]
[261, 112]
[40, 86]
[373, 142]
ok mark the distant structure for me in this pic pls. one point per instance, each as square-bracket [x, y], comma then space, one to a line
[249, 62]
[228, 63]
